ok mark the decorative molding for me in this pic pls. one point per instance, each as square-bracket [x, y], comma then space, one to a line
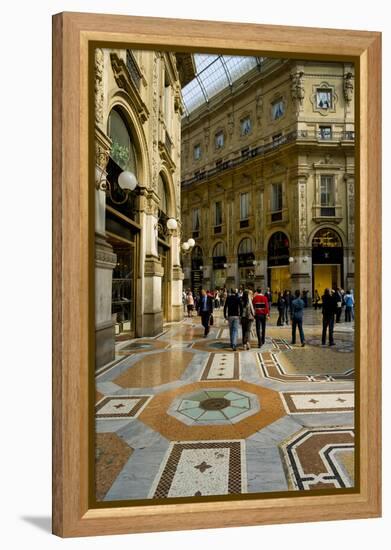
[99, 98]
[297, 90]
[302, 213]
[348, 88]
[320, 110]
[123, 80]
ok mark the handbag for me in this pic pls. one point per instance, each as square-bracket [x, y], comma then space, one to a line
[249, 314]
[211, 320]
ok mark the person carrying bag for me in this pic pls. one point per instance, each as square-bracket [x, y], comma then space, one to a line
[248, 315]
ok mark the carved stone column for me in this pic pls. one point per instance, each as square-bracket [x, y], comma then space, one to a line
[301, 267]
[150, 314]
[176, 280]
[349, 263]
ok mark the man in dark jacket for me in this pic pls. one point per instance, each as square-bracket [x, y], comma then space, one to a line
[205, 310]
[329, 309]
[233, 309]
[297, 310]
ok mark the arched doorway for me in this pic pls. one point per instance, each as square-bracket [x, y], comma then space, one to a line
[121, 231]
[278, 273]
[327, 260]
[219, 260]
[246, 265]
[196, 271]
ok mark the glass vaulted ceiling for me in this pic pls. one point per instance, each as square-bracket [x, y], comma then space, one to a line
[213, 74]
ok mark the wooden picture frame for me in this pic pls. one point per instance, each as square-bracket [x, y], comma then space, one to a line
[72, 337]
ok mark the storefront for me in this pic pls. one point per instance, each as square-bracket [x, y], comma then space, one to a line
[219, 266]
[196, 270]
[327, 260]
[122, 232]
[246, 264]
[278, 272]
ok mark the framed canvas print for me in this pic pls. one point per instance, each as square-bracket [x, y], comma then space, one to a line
[216, 230]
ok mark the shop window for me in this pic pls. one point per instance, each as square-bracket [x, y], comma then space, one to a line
[219, 140]
[325, 132]
[324, 98]
[327, 196]
[244, 209]
[163, 206]
[245, 254]
[122, 152]
[196, 222]
[276, 202]
[245, 126]
[197, 152]
[218, 217]
[278, 109]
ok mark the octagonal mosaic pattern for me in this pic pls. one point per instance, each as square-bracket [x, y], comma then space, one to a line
[214, 406]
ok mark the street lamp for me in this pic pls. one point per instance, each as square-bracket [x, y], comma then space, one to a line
[127, 181]
[185, 247]
[191, 242]
[291, 260]
[172, 224]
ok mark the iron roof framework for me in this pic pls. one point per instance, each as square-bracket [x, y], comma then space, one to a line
[214, 73]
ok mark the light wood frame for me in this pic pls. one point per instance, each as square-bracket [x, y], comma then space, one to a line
[72, 33]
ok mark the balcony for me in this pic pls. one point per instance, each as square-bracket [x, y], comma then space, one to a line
[134, 72]
[297, 136]
[321, 213]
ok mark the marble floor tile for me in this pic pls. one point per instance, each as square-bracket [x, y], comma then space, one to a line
[180, 415]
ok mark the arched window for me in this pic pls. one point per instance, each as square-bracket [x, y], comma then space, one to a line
[218, 250]
[245, 246]
[123, 151]
[162, 192]
[245, 253]
[278, 249]
[326, 238]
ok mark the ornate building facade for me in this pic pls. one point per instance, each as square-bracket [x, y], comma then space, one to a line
[138, 110]
[268, 172]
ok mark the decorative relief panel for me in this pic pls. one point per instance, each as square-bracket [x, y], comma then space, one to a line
[155, 124]
[99, 63]
[302, 213]
[297, 89]
[348, 88]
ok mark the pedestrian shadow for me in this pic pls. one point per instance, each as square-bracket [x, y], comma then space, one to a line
[44, 523]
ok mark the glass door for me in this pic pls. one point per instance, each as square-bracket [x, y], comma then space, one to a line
[122, 298]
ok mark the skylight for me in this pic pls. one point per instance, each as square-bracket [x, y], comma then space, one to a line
[213, 74]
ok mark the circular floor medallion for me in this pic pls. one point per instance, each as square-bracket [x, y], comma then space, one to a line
[215, 404]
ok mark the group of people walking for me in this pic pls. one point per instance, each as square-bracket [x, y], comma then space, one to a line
[243, 307]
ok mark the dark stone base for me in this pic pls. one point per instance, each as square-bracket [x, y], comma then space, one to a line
[104, 345]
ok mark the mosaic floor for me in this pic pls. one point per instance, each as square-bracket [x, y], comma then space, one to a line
[180, 415]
